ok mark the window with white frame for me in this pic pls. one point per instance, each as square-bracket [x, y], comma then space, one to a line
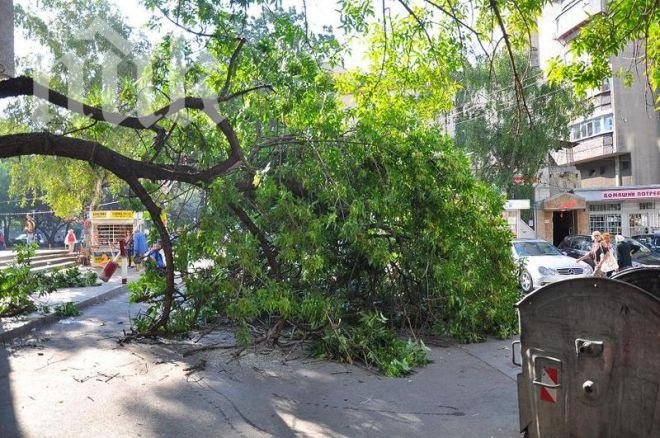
[604, 207]
[638, 223]
[610, 223]
[592, 127]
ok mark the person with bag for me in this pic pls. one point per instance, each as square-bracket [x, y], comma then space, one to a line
[70, 241]
[607, 264]
[591, 257]
[30, 227]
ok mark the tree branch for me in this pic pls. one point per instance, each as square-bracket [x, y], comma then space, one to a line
[417, 19]
[520, 93]
[233, 65]
[44, 143]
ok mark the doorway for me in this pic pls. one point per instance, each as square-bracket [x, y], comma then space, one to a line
[563, 224]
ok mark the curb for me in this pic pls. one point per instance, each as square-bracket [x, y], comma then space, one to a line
[53, 318]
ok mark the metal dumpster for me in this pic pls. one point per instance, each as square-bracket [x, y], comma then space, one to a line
[647, 278]
[590, 352]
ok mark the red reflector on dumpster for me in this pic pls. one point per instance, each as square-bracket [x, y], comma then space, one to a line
[550, 376]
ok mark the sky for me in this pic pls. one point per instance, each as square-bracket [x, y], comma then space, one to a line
[319, 13]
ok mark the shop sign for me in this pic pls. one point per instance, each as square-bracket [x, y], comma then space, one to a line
[631, 194]
[564, 201]
[112, 214]
[516, 204]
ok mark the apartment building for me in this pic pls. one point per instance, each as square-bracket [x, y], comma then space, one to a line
[609, 179]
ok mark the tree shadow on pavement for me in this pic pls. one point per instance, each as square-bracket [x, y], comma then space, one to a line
[8, 424]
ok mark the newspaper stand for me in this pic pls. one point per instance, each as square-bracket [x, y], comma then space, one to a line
[107, 228]
[590, 359]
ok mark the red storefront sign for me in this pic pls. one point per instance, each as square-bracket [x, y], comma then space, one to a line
[631, 194]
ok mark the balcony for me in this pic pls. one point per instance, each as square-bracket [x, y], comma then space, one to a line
[574, 14]
[587, 150]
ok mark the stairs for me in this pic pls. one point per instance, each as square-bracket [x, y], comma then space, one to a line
[45, 260]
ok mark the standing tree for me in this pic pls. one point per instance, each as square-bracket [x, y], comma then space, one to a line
[486, 127]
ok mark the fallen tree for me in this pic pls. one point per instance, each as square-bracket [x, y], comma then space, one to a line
[331, 222]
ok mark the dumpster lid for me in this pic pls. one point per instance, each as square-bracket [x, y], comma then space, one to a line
[583, 283]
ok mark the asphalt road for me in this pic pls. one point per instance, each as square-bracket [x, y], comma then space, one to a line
[72, 379]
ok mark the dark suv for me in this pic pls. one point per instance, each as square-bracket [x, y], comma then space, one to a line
[651, 241]
[578, 245]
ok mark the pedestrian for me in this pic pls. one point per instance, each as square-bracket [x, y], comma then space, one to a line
[624, 249]
[30, 227]
[156, 257]
[591, 256]
[128, 246]
[3, 245]
[607, 264]
[139, 246]
[70, 240]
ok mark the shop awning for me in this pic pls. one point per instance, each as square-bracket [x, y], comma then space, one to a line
[564, 201]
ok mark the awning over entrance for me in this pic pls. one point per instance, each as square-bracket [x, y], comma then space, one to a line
[564, 201]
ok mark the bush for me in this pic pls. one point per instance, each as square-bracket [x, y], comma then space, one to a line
[72, 277]
[18, 283]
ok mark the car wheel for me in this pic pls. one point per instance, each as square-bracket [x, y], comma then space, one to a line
[526, 282]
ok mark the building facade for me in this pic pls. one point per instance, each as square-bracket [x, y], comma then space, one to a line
[609, 180]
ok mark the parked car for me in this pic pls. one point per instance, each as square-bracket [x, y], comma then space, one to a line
[22, 238]
[651, 241]
[544, 264]
[576, 246]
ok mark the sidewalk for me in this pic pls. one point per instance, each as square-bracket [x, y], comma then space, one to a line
[84, 297]
[91, 386]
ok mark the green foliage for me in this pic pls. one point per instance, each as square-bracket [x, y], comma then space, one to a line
[66, 310]
[631, 26]
[352, 216]
[373, 343]
[357, 220]
[18, 284]
[500, 138]
[72, 277]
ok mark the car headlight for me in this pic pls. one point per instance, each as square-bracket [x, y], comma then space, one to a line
[547, 271]
[587, 269]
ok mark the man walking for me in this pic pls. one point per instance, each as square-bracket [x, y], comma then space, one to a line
[623, 251]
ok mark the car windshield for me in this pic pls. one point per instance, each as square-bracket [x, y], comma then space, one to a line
[531, 249]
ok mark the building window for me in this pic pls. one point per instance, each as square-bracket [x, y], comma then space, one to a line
[610, 223]
[639, 223]
[647, 205]
[589, 128]
[608, 123]
[604, 207]
[596, 124]
[606, 85]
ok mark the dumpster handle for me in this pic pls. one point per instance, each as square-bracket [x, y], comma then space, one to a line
[545, 385]
[513, 353]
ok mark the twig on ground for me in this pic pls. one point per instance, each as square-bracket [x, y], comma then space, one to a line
[206, 348]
